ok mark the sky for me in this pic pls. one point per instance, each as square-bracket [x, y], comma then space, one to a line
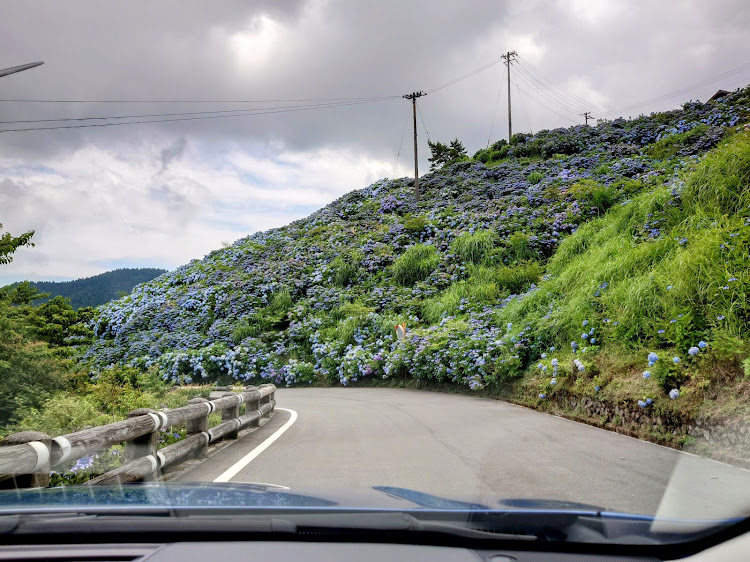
[159, 194]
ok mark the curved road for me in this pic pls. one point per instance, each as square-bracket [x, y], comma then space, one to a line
[465, 448]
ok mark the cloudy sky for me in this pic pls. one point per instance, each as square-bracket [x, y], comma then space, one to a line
[160, 194]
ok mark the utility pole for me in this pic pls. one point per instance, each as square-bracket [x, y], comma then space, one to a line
[586, 115]
[413, 97]
[509, 57]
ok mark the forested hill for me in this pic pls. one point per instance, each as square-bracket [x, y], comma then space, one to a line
[99, 289]
[607, 261]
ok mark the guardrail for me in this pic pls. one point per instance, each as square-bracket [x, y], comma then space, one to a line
[27, 458]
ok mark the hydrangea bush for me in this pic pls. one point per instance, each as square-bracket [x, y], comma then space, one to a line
[570, 240]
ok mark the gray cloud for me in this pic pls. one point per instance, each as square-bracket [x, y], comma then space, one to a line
[613, 53]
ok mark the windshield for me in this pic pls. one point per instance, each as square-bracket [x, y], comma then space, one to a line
[484, 265]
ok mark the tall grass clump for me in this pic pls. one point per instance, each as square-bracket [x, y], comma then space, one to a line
[473, 247]
[415, 264]
[667, 288]
[720, 183]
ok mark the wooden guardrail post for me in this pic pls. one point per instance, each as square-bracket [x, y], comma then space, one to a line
[145, 445]
[38, 476]
[199, 425]
[268, 398]
[252, 405]
[231, 413]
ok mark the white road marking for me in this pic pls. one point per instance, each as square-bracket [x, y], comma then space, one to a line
[232, 471]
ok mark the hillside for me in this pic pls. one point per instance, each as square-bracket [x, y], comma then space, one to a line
[98, 289]
[608, 263]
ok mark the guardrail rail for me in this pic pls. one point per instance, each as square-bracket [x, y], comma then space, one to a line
[26, 458]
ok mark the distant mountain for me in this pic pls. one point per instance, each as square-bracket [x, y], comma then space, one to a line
[99, 289]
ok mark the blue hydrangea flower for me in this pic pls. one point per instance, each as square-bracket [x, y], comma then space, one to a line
[646, 374]
[542, 396]
[544, 356]
[585, 323]
[660, 331]
[652, 358]
[669, 287]
[693, 351]
[552, 348]
[674, 394]
[649, 401]
[584, 336]
[597, 388]
[675, 360]
[593, 341]
[553, 382]
[702, 344]
[555, 362]
[642, 403]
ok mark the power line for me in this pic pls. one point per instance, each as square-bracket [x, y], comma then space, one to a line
[419, 112]
[465, 76]
[198, 118]
[494, 113]
[678, 92]
[524, 108]
[571, 96]
[543, 94]
[180, 113]
[546, 107]
[279, 100]
[401, 145]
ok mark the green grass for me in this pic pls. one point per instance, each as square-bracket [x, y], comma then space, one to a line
[679, 276]
[415, 264]
[474, 247]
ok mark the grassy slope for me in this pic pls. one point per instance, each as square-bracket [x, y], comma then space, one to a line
[500, 263]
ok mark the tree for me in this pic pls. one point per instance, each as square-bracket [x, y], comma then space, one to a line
[443, 154]
[9, 244]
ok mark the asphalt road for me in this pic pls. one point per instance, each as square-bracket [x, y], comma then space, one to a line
[468, 448]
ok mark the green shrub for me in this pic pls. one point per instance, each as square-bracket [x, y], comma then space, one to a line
[472, 248]
[518, 279]
[415, 224]
[669, 146]
[600, 196]
[281, 301]
[534, 177]
[720, 183]
[518, 247]
[415, 264]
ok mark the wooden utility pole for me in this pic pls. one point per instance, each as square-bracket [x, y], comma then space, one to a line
[586, 115]
[413, 97]
[509, 57]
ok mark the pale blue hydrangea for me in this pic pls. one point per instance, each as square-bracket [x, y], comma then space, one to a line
[693, 351]
[675, 360]
[646, 374]
[674, 394]
[702, 344]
